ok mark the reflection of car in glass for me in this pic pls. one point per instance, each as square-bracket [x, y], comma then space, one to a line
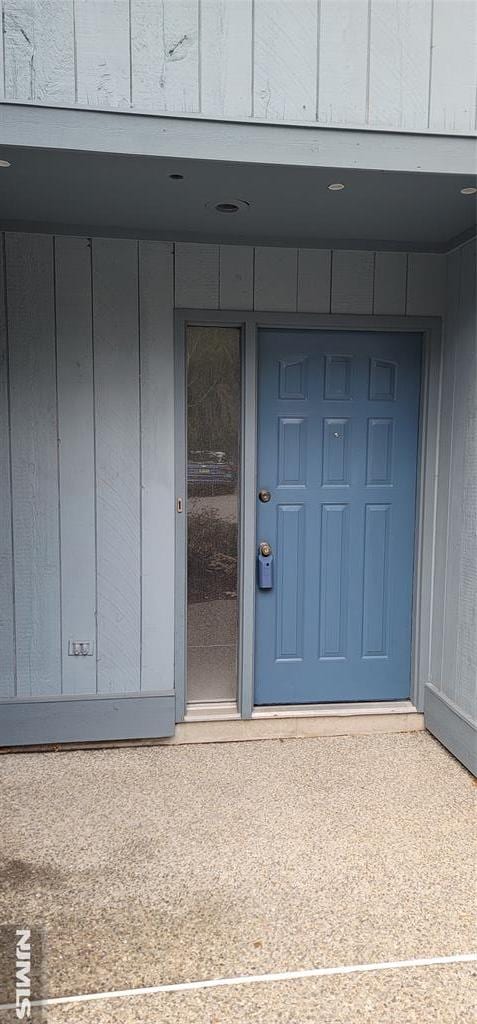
[210, 471]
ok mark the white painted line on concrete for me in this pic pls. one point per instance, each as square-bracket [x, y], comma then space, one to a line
[250, 979]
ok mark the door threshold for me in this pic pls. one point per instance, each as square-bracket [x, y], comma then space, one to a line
[377, 707]
[212, 711]
[296, 723]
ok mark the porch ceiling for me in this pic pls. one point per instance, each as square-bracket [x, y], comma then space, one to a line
[99, 193]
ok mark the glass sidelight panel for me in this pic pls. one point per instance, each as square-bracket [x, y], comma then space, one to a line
[213, 460]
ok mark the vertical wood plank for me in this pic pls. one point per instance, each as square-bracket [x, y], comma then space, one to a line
[76, 457]
[390, 274]
[352, 282]
[39, 51]
[102, 49]
[2, 55]
[226, 58]
[31, 328]
[7, 629]
[285, 60]
[466, 661]
[314, 280]
[236, 277]
[454, 66]
[459, 647]
[116, 368]
[399, 63]
[196, 276]
[165, 55]
[343, 59]
[157, 454]
[457, 427]
[443, 476]
[275, 279]
[426, 279]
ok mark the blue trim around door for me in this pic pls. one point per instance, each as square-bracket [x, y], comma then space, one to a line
[337, 450]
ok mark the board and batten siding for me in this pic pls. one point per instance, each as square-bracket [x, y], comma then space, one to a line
[451, 696]
[406, 65]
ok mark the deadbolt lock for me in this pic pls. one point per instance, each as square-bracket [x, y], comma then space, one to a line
[264, 496]
[265, 549]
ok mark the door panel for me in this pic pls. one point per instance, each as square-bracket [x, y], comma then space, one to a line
[337, 449]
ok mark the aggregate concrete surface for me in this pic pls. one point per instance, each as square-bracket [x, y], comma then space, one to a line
[168, 864]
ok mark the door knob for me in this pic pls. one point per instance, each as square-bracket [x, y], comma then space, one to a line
[264, 496]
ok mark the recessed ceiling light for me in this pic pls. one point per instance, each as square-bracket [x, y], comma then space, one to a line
[469, 191]
[5, 163]
[176, 177]
[336, 186]
[228, 206]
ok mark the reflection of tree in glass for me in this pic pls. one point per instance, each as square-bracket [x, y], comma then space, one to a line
[213, 390]
[211, 556]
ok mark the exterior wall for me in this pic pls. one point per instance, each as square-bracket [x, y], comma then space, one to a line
[87, 439]
[396, 64]
[452, 696]
[308, 280]
[86, 494]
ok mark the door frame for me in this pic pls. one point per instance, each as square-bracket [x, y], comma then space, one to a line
[426, 492]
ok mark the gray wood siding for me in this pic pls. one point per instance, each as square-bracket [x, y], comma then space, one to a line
[398, 64]
[74, 348]
[86, 465]
[280, 279]
[7, 617]
[454, 647]
[118, 463]
[157, 464]
[451, 695]
[34, 463]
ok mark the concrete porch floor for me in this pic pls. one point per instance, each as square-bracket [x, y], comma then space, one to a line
[168, 864]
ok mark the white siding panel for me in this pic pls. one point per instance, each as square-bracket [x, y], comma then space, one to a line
[426, 280]
[390, 274]
[352, 279]
[7, 647]
[275, 279]
[236, 276]
[102, 48]
[285, 60]
[165, 55]
[196, 276]
[454, 66]
[226, 58]
[399, 61]
[343, 62]
[39, 51]
[76, 458]
[31, 329]
[116, 368]
[314, 280]
[157, 454]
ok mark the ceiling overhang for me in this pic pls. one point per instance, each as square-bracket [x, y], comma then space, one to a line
[97, 173]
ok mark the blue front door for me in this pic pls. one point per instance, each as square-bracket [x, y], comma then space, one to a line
[337, 452]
